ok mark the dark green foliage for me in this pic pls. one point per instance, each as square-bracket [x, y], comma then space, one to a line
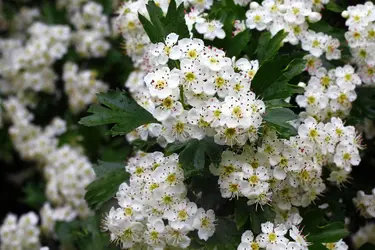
[103, 168]
[268, 47]
[194, 152]
[105, 187]
[34, 195]
[119, 109]
[83, 235]
[160, 26]
[278, 118]
[275, 85]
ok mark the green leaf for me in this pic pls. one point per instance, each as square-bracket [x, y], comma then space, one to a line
[241, 213]
[159, 26]
[268, 47]
[175, 147]
[103, 168]
[154, 34]
[329, 233]
[34, 195]
[278, 103]
[118, 109]
[263, 79]
[280, 88]
[277, 118]
[334, 7]
[226, 236]
[105, 187]
[240, 40]
[317, 246]
[365, 102]
[83, 234]
[195, 151]
[209, 193]
[367, 246]
[175, 20]
[259, 216]
[65, 232]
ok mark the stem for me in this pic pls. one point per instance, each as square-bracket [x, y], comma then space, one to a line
[182, 97]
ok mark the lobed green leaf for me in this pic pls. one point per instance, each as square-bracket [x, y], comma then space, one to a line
[105, 187]
[119, 109]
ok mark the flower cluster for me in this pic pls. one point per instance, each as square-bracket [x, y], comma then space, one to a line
[363, 235]
[330, 93]
[136, 39]
[81, 87]
[154, 211]
[365, 203]
[22, 233]
[22, 20]
[28, 66]
[71, 5]
[66, 169]
[49, 216]
[275, 237]
[292, 16]
[92, 29]
[206, 94]
[361, 38]
[289, 172]
[31, 141]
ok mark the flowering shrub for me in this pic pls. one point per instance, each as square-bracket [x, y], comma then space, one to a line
[230, 124]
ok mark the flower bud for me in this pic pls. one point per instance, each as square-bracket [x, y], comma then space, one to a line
[345, 14]
[314, 17]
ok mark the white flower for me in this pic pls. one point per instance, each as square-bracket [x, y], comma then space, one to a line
[162, 52]
[314, 43]
[310, 129]
[247, 241]
[249, 68]
[210, 30]
[296, 11]
[346, 78]
[258, 19]
[154, 235]
[168, 106]
[296, 235]
[271, 235]
[340, 245]
[177, 237]
[346, 156]
[178, 128]
[204, 223]
[162, 82]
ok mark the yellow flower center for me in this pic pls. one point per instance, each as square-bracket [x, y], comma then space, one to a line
[192, 53]
[180, 127]
[128, 211]
[253, 179]
[205, 222]
[189, 76]
[313, 133]
[230, 132]
[346, 156]
[168, 102]
[182, 215]
[311, 100]
[220, 82]
[160, 84]
[272, 237]
[171, 178]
